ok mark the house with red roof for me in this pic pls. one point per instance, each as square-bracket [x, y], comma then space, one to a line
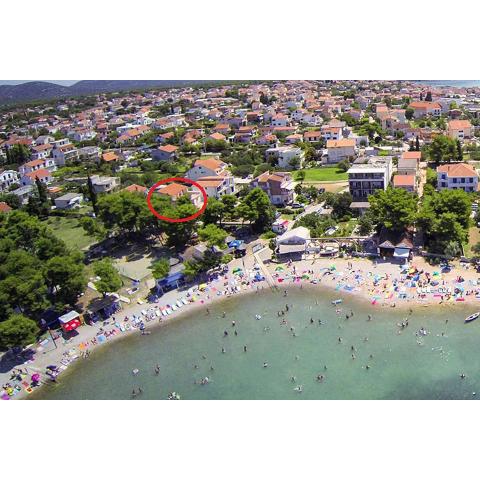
[165, 153]
[44, 175]
[422, 109]
[457, 176]
[460, 129]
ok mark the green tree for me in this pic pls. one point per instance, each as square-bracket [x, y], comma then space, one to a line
[393, 208]
[459, 151]
[344, 165]
[17, 331]
[92, 195]
[365, 224]
[110, 280]
[256, 207]
[18, 154]
[93, 227]
[65, 277]
[409, 112]
[213, 235]
[301, 176]
[443, 149]
[160, 268]
[453, 249]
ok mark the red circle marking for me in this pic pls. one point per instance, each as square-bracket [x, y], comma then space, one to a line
[177, 179]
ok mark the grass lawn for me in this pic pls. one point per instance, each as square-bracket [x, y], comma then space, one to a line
[323, 174]
[68, 230]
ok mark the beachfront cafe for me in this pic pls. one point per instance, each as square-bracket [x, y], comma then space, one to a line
[70, 321]
[171, 281]
[103, 308]
[395, 245]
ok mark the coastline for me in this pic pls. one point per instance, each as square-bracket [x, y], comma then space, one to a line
[215, 292]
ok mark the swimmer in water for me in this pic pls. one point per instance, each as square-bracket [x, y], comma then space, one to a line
[223, 350]
[293, 379]
[367, 367]
[339, 339]
[225, 333]
[233, 323]
[224, 315]
[265, 364]
[462, 376]
[369, 317]
[245, 348]
[208, 311]
[311, 320]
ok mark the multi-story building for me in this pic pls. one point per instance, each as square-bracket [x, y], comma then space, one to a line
[366, 176]
[457, 176]
[279, 187]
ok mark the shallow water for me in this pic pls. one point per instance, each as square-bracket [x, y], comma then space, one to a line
[400, 368]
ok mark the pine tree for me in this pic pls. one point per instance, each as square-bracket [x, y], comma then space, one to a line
[459, 151]
[417, 144]
[93, 195]
[42, 191]
[428, 97]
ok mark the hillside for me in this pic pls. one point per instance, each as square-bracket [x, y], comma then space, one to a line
[31, 91]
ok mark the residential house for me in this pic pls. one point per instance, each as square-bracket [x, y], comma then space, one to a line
[457, 176]
[460, 129]
[43, 150]
[173, 191]
[312, 136]
[8, 178]
[422, 109]
[339, 150]
[331, 133]
[217, 186]
[33, 165]
[65, 153]
[207, 167]
[69, 201]
[44, 175]
[279, 186]
[407, 182]
[165, 152]
[287, 157]
[407, 166]
[104, 184]
[23, 193]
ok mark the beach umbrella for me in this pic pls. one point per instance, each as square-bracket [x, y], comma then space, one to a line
[237, 269]
[202, 286]
[36, 377]
[279, 269]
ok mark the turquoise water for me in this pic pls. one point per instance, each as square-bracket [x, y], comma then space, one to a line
[400, 368]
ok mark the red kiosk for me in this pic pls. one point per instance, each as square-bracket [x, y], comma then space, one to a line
[70, 321]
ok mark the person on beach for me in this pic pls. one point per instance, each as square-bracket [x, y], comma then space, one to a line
[208, 311]
[224, 315]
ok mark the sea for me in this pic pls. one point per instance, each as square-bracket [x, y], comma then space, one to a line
[312, 351]
[450, 83]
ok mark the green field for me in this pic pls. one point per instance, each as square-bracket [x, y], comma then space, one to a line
[323, 174]
[68, 230]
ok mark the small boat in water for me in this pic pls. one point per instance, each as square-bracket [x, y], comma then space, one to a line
[472, 317]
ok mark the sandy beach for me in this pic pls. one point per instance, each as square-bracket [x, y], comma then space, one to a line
[380, 283]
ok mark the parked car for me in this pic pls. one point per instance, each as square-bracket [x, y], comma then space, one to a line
[297, 205]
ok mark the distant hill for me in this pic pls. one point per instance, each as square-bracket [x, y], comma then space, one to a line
[31, 91]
